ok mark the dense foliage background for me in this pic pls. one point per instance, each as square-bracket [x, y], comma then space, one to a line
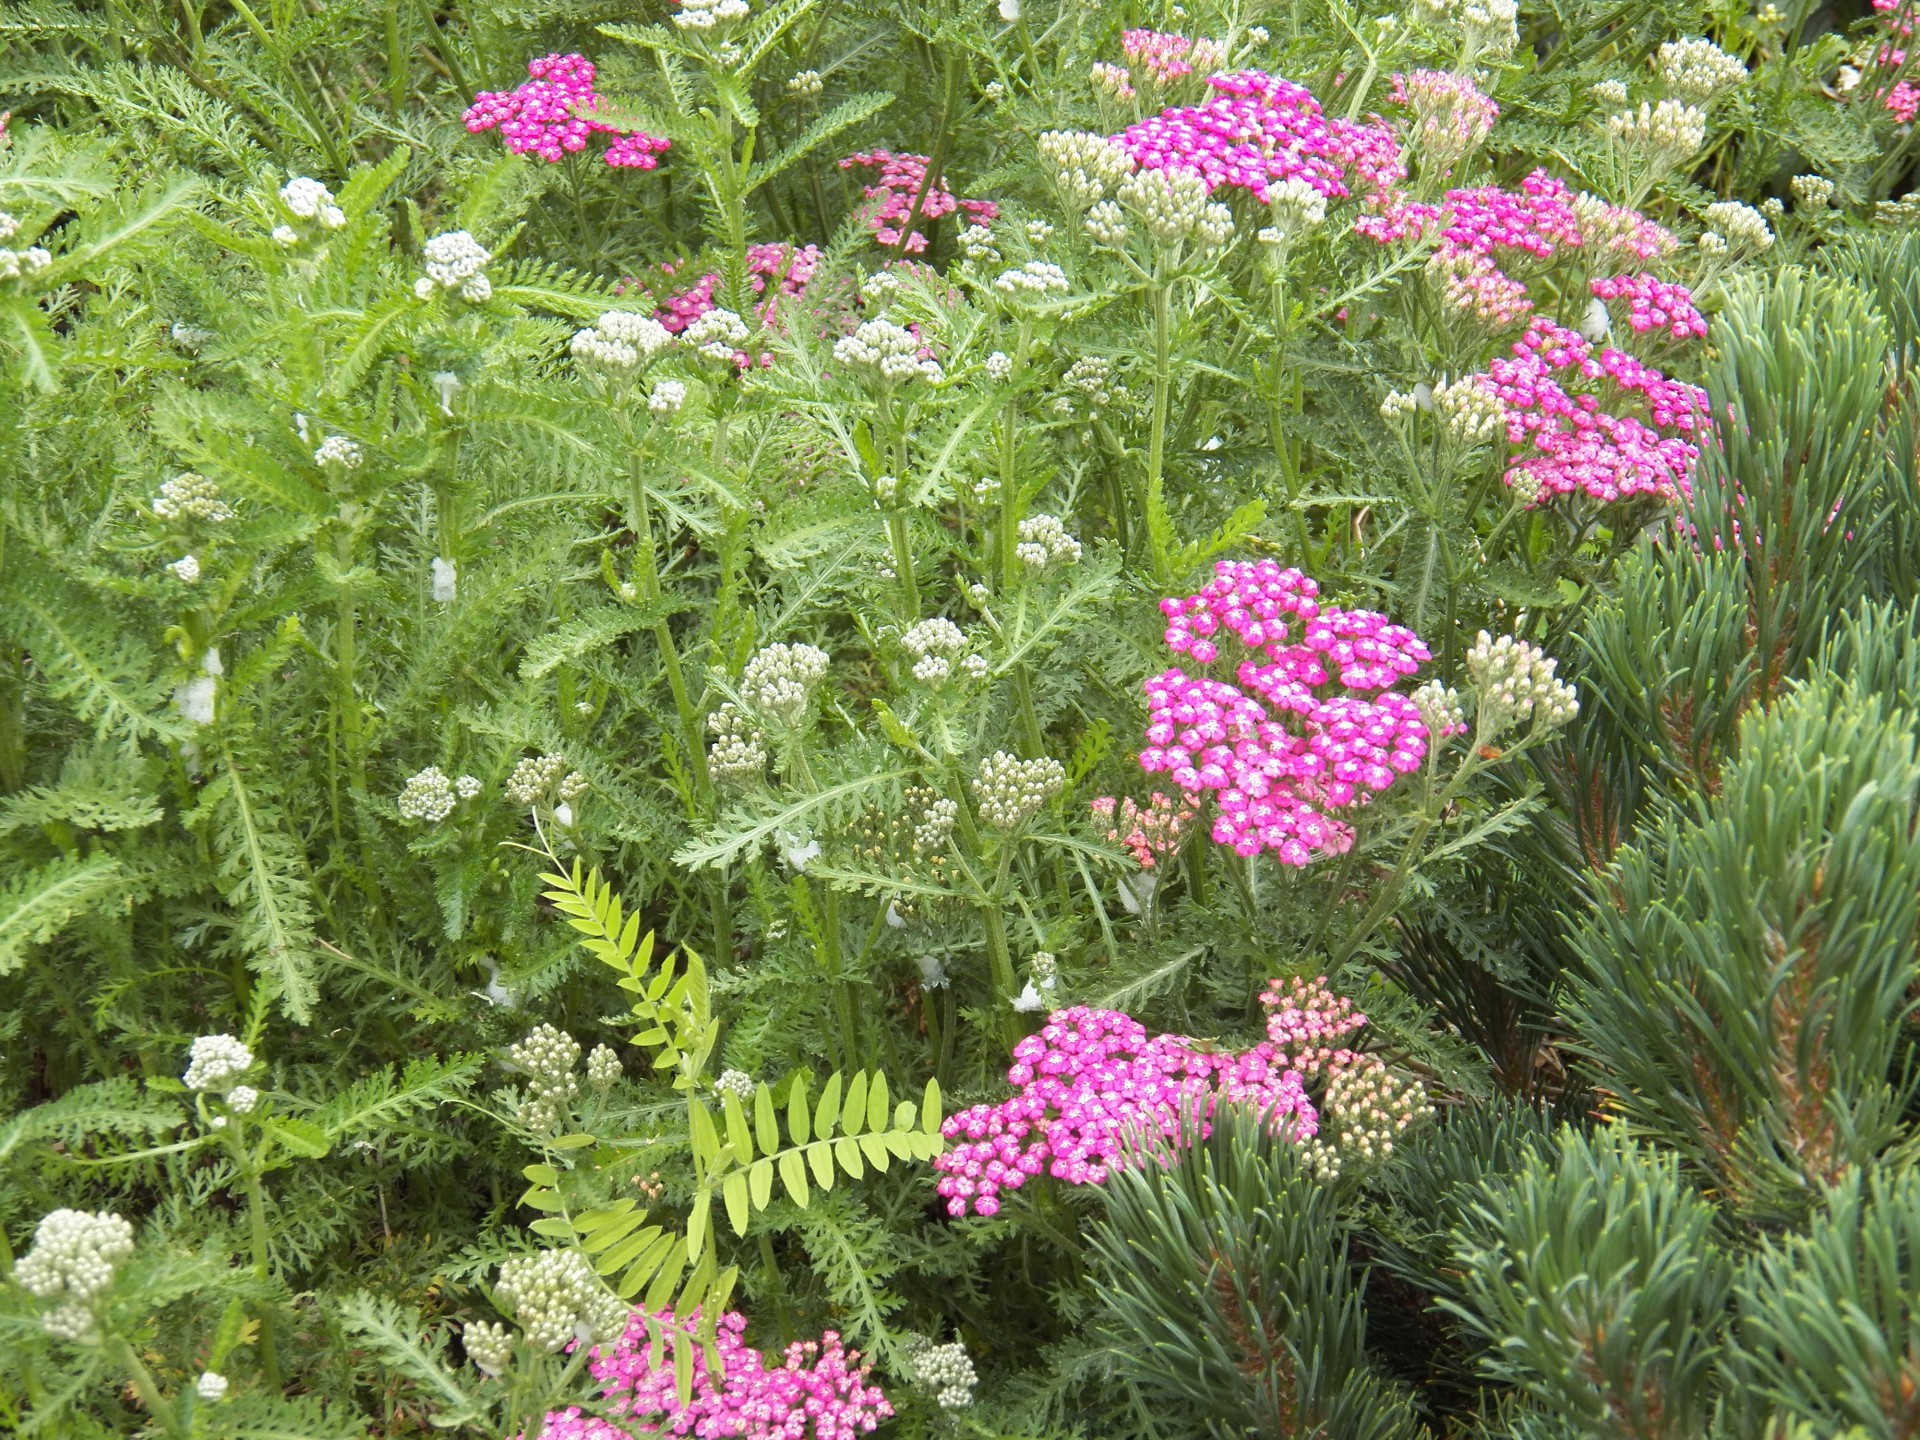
[586, 602]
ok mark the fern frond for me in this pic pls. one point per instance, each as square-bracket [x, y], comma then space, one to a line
[43, 902]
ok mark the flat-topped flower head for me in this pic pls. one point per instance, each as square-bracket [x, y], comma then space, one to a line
[215, 1062]
[558, 1299]
[72, 1261]
[780, 680]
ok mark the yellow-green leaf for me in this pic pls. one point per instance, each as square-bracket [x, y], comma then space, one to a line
[797, 1117]
[734, 1192]
[571, 1142]
[668, 1280]
[878, 1103]
[794, 1176]
[605, 1215]
[543, 1200]
[706, 1142]
[695, 1290]
[628, 1250]
[874, 1147]
[828, 1111]
[847, 1151]
[762, 1183]
[698, 1219]
[737, 1134]
[542, 1175]
[820, 1156]
[553, 1227]
[642, 1270]
[903, 1115]
[605, 1237]
[854, 1116]
[764, 1123]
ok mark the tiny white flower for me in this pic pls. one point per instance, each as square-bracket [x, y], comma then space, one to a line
[211, 1387]
[285, 236]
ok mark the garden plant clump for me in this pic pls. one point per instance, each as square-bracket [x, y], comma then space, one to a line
[1020, 719]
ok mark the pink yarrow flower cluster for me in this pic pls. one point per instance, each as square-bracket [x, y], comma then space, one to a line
[1259, 130]
[785, 269]
[897, 182]
[818, 1392]
[1090, 1084]
[554, 115]
[1452, 117]
[1570, 444]
[1150, 832]
[1167, 58]
[1654, 305]
[1314, 727]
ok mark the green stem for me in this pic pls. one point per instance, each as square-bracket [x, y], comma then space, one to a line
[1158, 527]
[148, 1389]
[903, 563]
[345, 662]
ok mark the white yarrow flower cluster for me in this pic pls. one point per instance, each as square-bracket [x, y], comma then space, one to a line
[779, 681]
[603, 1068]
[891, 351]
[556, 1297]
[736, 1083]
[718, 334]
[186, 570]
[1812, 192]
[1697, 70]
[806, 82]
[191, 497]
[667, 396]
[937, 645]
[1011, 791]
[242, 1099]
[710, 14]
[211, 1387]
[1744, 228]
[999, 366]
[1106, 224]
[976, 243]
[1513, 680]
[1296, 207]
[533, 778]
[428, 796]
[1472, 410]
[621, 340]
[1610, 93]
[944, 1370]
[1044, 543]
[215, 1062]
[546, 1057]
[17, 263]
[455, 262]
[310, 200]
[1084, 166]
[1035, 278]
[72, 1260]
[739, 749]
[337, 451]
[488, 1345]
[1665, 133]
[1171, 203]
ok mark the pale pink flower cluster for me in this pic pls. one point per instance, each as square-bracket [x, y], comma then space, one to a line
[1149, 832]
[1570, 443]
[1279, 786]
[1452, 116]
[1166, 58]
[786, 268]
[1259, 130]
[1304, 1018]
[1903, 99]
[552, 116]
[894, 188]
[1654, 305]
[818, 1392]
[1091, 1083]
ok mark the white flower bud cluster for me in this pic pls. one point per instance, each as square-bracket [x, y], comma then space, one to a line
[191, 497]
[488, 1345]
[976, 243]
[1610, 93]
[936, 826]
[1398, 406]
[1367, 1109]
[891, 350]
[1084, 166]
[1490, 27]
[556, 1297]
[455, 262]
[1044, 543]
[999, 366]
[310, 200]
[709, 14]
[736, 1083]
[880, 287]
[242, 1099]
[1092, 376]
[936, 645]
[780, 681]
[1902, 212]
[718, 334]
[621, 340]
[572, 786]
[1472, 410]
[667, 397]
[1697, 70]
[72, 1259]
[1666, 133]
[337, 451]
[1744, 228]
[1440, 708]
[1170, 203]
[1039, 231]
[211, 1387]
[1296, 207]
[886, 490]
[1115, 80]
[1011, 791]
[215, 1062]
[946, 1371]
[430, 796]
[186, 570]
[533, 777]
[16, 263]
[806, 83]
[1106, 224]
[1513, 680]
[603, 1068]
[739, 750]
[547, 1057]
[1812, 192]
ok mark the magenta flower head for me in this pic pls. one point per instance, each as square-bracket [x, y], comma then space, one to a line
[556, 113]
